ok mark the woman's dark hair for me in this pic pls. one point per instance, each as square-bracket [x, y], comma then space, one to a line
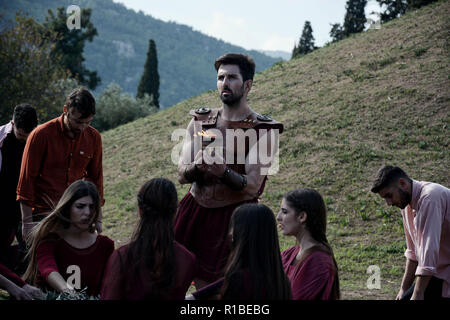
[153, 240]
[311, 202]
[255, 253]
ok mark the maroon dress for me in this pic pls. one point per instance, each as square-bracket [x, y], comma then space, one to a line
[312, 278]
[121, 283]
[204, 231]
[55, 254]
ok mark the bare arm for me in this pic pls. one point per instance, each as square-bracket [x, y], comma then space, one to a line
[419, 288]
[57, 282]
[27, 219]
[408, 277]
[187, 171]
[13, 289]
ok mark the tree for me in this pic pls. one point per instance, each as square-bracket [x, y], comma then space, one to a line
[336, 33]
[306, 42]
[392, 9]
[149, 82]
[355, 17]
[27, 71]
[114, 108]
[70, 44]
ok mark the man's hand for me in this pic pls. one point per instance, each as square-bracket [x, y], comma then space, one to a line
[211, 163]
[400, 294]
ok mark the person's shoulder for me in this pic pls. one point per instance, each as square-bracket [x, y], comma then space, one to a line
[289, 252]
[207, 115]
[51, 239]
[93, 133]
[105, 241]
[431, 191]
[319, 259]
[266, 121]
[46, 126]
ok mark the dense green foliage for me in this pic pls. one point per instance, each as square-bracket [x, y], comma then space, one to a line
[185, 56]
[306, 42]
[70, 44]
[392, 9]
[354, 20]
[113, 108]
[149, 83]
[355, 17]
[28, 72]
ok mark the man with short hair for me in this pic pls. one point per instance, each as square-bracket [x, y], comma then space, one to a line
[12, 143]
[426, 221]
[58, 153]
[224, 176]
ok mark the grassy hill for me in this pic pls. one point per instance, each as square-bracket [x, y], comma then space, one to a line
[380, 97]
[119, 51]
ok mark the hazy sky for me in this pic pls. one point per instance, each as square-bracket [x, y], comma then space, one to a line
[260, 25]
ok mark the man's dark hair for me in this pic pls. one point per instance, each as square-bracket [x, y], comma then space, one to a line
[82, 100]
[245, 63]
[387, 176]
[25, 117]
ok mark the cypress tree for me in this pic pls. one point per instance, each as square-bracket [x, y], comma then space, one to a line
[336, 32]
[355, 17]
[306, 43]
[149, 82]
[294, 51]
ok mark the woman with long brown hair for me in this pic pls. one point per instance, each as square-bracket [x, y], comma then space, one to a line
[310, 265]
[254, 269]
[153, 265]
[65, 251]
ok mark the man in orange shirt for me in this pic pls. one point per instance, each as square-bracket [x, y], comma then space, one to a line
[56, 154]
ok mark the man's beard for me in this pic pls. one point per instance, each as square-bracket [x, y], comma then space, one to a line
[405, 198]
[232, 98]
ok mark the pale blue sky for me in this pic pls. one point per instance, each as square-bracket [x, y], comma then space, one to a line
[259, 25]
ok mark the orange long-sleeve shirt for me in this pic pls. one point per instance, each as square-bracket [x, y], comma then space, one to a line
[52, 161]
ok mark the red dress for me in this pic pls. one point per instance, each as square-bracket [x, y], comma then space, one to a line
[312, 278]
[55, 254]
[121, 283]
[204, 231]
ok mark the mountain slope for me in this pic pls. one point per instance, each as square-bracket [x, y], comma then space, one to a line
[185, 56]
[380, 97]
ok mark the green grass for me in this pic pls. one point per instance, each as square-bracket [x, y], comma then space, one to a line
[376, 98]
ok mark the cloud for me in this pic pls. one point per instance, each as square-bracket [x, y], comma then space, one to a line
[277, 42]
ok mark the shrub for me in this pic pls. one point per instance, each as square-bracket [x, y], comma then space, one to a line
[114, 108]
